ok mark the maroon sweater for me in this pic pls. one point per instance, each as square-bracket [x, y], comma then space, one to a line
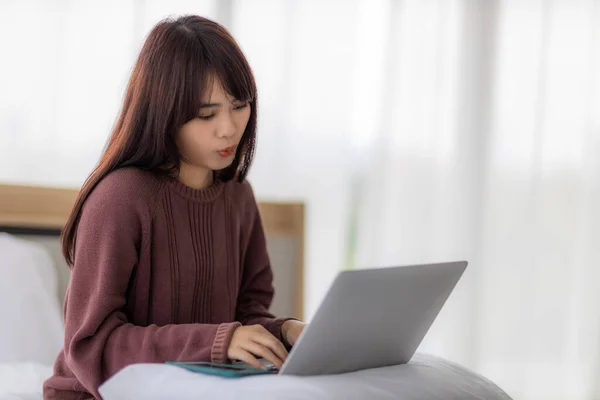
[162, 272]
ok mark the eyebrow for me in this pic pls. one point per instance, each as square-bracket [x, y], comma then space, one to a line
[216, 105]
[210, 105]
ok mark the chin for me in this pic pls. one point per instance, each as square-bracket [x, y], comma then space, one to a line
[222, 164]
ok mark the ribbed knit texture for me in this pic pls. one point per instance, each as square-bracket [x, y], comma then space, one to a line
[163, 272]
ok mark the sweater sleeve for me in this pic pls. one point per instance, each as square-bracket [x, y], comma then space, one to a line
[256, 291]
[99, 339]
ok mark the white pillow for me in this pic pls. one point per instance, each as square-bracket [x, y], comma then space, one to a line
[32, 328]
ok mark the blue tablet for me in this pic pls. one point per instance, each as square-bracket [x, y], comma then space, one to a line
[224, 370]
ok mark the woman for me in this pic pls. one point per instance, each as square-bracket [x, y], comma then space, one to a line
[168, 253]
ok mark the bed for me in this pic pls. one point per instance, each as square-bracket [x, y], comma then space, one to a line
[33, 285]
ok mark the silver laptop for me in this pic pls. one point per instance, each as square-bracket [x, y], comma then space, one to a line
[372, 318]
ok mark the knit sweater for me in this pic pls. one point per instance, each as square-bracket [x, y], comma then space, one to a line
[162, 272]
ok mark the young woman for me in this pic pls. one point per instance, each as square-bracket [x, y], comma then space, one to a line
[167, 249]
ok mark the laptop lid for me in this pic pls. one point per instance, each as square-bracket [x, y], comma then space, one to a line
[373, 318]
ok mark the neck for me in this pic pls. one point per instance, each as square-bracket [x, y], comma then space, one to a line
[195, 177]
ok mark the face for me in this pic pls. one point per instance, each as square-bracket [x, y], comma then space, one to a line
[210, 140]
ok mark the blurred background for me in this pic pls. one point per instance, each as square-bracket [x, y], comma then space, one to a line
[414, 131]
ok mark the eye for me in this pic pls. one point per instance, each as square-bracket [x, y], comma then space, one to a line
[241, 106]
[206, 117]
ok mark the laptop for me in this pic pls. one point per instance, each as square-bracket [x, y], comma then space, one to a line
[372, 318]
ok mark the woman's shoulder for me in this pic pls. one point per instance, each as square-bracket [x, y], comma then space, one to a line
[241, 195]
[126, 187]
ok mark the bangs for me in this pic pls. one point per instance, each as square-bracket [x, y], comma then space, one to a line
[232, 84]
[212, 53]
[230, 67]
[238, 85]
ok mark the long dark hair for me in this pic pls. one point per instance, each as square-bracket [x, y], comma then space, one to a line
[174, 69]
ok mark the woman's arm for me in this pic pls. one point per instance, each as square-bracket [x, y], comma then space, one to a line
[99, 340]
[256, 291]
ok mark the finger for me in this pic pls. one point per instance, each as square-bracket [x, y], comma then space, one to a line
[264, 352]
[271, 342]
[248, 358]
[267, 339]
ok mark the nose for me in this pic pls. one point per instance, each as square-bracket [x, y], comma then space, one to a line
[226, 129]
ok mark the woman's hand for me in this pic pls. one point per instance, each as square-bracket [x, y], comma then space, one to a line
[252, 341]
[291, 330]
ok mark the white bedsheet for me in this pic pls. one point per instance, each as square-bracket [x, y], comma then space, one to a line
[23, 380]
[424, 378]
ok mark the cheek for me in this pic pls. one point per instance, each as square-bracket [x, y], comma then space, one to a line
[192, 139]
[242, 120]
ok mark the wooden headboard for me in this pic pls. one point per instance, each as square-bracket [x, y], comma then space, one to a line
[39, 213]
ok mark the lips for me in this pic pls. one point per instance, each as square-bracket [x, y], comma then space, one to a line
[228, 152]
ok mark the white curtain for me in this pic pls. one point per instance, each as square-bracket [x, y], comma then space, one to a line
[415, 130]
[489, 152]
